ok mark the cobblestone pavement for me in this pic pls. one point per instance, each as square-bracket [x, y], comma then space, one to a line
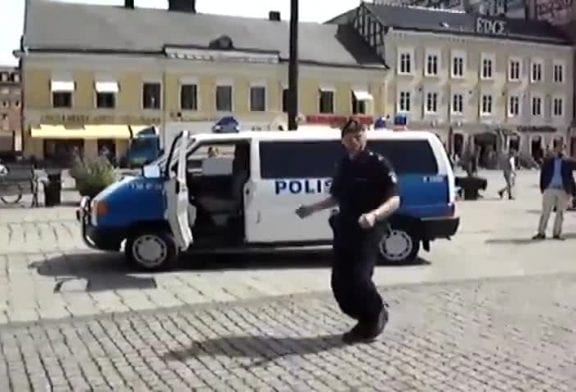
[490, 335]
[47, 273]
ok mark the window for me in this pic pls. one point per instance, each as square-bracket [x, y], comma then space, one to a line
[326, 101]
[105, 100]
[233, 160]
[513, 106]
[358, 105]
[224, 98]
[151, 95]
[17, 104]
[457, 103]
[536, 106]
[487, 67]
[536, 74]
[558, 107]
[61, 99]
[405, 62]
[319, 159]
[285, 98]
[432, 64]
[514, 70]
[257, 99]
[486, 105]
[189, 96]
[457, 65]
[5, 104]
[404, 103]
[16, 78]
[431, 102]
[558, 73]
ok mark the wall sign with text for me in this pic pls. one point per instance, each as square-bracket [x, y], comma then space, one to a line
[491, 26]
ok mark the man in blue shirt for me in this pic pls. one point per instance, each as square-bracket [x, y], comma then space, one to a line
[556, 185]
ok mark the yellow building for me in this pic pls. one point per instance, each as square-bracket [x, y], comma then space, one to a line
[89, 72]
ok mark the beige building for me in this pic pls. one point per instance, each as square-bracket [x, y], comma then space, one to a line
[177, 69]
[472, 78]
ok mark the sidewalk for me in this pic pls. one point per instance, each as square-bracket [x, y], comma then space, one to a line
[491, 335]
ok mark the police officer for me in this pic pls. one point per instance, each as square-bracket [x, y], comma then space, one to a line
[364, 187]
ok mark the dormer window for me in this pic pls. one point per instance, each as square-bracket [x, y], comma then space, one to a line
[222, 43]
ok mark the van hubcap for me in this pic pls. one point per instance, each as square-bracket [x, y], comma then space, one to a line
[149, 250]
[396, 246]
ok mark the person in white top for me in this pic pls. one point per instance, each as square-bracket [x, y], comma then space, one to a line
[509, 172]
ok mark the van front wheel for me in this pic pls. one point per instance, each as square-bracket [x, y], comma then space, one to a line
[398, 246]
[151, 251]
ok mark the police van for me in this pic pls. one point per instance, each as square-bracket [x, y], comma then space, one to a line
[244, 196]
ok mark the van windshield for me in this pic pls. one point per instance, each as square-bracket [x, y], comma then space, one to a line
[318, 159]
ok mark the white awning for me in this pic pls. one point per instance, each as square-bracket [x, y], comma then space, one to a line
[64, 86]
[107, 87]
[362, 95]
[327, 88]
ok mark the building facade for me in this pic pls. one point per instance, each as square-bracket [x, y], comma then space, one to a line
[10, 110]
[474, 80]
[84, 92]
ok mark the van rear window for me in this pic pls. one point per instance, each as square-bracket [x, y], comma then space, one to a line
[316, 159]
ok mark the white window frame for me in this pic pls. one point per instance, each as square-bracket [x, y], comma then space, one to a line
[432, 93]
[452, 106]
[437, 53]
[259, 84]
[533, 62]
[224, 83]
[511, 61]
[562, 98]
[509, 106]
[562, 64]
[491, 59]
[399, 100]
[484, 113]
[532, 100]
[458, 54]
[411, 57]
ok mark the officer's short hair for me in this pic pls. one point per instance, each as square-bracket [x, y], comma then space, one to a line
[351, 126]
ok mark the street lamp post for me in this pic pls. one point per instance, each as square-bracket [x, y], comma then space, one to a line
[293, 68]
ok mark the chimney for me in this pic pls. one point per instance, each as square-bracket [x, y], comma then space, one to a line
[129, 4]
[182, 5]
[274, 16]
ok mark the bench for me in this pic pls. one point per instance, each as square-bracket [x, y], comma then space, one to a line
[18, 181]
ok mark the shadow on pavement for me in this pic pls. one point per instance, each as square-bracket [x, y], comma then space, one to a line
[91, 272]
[262, 349]
[522, 241]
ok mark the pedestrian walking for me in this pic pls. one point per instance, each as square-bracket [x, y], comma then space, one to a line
[365, 190]
[556, 185]
[509, 171]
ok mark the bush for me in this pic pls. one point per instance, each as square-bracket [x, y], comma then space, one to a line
[92, 175]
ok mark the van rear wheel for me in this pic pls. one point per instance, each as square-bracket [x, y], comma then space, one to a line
[151, 251]
[399, 246]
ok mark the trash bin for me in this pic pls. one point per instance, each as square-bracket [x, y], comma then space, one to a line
[53, 189]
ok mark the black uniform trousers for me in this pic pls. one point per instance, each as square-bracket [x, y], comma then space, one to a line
[355, 256]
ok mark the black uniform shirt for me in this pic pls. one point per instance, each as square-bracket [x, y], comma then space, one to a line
[362, 184]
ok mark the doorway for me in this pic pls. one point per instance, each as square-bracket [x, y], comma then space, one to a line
[458, 144]
[536, 148]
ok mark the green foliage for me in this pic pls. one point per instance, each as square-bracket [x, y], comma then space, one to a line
[93, 175]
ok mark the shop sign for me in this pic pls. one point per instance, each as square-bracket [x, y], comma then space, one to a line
[490, 26]
[335, 120]
[81, 119]
[535, 129]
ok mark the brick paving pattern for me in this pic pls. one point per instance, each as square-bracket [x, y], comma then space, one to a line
[493, 335]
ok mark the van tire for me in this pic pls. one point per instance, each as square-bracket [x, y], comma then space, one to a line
[398, 246]
[151, 251]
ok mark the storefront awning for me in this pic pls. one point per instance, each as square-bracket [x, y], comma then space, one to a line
[362, 95]
[111, 131]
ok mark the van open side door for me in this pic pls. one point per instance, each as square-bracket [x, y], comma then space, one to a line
[176, 193]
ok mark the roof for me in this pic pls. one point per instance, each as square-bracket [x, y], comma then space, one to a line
[460, 23]
[309, 133]
[56, 26]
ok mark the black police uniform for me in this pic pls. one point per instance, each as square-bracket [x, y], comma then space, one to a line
[360, 185]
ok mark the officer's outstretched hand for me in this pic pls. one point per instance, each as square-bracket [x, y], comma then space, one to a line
[367, 221]
[304, 211]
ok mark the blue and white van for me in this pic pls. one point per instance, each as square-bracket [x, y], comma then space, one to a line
[243, 197]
